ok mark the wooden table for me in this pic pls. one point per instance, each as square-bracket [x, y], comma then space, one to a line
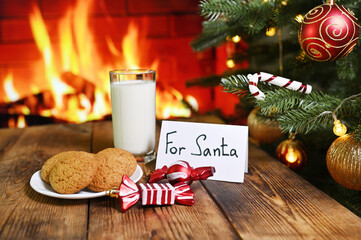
[272, 203]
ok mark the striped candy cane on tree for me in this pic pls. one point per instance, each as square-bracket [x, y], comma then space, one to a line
[275, 80]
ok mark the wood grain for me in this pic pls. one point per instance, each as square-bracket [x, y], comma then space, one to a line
[201, 221]
[102, 133]
[275, 203]
[272, 203]
[26, 214]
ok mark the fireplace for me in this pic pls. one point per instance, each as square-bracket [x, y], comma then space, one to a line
[56, 55]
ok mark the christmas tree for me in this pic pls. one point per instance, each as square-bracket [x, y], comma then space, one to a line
[313, 91]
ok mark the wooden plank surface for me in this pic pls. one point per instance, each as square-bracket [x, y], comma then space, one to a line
[275, 203]
[203, 220]
[272, 203]
[26, 214]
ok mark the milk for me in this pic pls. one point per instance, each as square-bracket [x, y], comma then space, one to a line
[133, 113]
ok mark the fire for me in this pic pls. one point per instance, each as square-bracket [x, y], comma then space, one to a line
[10, 91]
[131, 53]
[76, 76]
[170, 103]
[20, 123]
[78, 57]
[42, 40]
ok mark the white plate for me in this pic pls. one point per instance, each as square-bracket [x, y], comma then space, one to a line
[42, 187]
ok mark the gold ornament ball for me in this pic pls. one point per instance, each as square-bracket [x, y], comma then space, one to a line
[263, 131]
[344, 162]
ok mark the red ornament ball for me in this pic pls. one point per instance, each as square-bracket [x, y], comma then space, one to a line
[180, 171]
[328, 32]
[291, 153]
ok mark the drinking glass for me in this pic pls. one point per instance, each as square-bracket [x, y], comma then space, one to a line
[133, 111]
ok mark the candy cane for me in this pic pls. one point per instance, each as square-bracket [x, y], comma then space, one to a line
[275, 80]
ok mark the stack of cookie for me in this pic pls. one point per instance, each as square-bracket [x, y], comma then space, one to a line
[69, 172]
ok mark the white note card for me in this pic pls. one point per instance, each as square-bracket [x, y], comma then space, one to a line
[222, 146]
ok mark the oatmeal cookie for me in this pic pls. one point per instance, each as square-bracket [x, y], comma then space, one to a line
[113, 164]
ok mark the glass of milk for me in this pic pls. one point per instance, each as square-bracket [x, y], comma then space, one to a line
[133, 111]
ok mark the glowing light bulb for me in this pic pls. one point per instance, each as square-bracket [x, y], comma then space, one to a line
[271, 31]
[236, 39]
[299, 18]
[291, 156]
[230, 63]
[339, 129]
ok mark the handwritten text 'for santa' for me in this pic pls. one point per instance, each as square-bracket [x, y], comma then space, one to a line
[201, 148]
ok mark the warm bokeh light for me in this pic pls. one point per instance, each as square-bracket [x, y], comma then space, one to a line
[236, 39]
[299, 18]
[339, 129]
[271, 31]
[291, 156]
[230, 63]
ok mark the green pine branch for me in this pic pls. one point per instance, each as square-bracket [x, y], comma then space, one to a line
[225, 18]
[214, 10]
[236, 84]
[299, 112]
[294, 111]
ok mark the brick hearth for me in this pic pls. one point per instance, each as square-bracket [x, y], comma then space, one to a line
[170, 27]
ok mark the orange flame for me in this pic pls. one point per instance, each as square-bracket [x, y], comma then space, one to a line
[11, 93]
[130, 52]
[42, 40]
[77, 56]
[20, 123]
[170, 103]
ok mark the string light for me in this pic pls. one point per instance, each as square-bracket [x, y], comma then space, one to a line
[339, 129]
[271, 31]
[299, 18]
[230, 63]
[236, 39]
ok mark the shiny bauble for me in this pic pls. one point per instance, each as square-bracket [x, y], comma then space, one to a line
[180, 171]
[328, 32]
[292, 153]
[344, 162]
[264, 131]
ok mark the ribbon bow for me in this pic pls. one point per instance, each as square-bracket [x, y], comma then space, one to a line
[181, 171]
